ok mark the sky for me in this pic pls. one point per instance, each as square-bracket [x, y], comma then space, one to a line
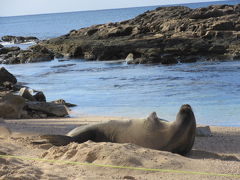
[26, 7]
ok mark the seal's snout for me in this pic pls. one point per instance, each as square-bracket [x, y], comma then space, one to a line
[186, 108]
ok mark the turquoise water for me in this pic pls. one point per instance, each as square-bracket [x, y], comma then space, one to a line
[118, 89]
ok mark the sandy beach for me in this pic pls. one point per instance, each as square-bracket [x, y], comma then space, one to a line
[98, 61]
[216, 155]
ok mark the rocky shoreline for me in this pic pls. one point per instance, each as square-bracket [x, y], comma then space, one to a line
[15, 55]
[165, 35]
[19, 101]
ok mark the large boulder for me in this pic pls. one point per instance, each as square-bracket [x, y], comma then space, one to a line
[11, 106]
[24, 92]
[6, 76]
[50, 109]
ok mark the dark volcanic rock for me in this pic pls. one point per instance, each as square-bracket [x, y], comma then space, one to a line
[39, 96]
[51, 109]
[6, 50]
[166, 35]
[6, 76]
[36, 53]
[29, 103]
[24, 92]
[19, 39]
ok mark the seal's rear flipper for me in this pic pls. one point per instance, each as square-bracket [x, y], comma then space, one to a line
[57, 140]
[152, 116]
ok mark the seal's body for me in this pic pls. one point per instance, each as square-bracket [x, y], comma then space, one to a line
[177, 136]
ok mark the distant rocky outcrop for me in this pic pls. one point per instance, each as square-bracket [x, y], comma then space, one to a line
[19, 39]
[17, 101]
[166, 35]
[14, 55]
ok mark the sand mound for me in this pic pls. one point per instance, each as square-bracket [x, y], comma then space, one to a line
[216, 154]
[16, 169]
[116, 154]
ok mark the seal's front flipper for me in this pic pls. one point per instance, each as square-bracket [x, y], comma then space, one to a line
[57, 140]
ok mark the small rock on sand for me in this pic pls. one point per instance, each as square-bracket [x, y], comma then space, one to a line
[203, 131]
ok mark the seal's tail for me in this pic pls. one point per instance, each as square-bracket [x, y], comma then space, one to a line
[57, 140]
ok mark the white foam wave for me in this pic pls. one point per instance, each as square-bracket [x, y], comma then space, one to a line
[6, 43]
[25, 44]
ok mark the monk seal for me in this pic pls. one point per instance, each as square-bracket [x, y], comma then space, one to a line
[177, 136]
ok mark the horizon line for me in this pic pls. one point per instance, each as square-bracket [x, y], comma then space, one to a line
[160, 5]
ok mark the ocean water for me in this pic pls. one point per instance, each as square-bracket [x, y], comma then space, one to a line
[116, 89]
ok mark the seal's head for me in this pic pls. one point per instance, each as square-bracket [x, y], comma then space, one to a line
[185, 108]
[185, 114]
